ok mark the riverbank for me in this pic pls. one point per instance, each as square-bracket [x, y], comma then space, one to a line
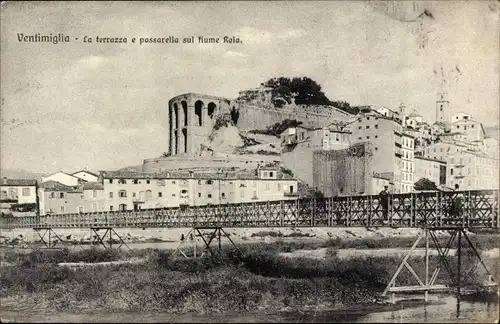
[256, 278]
[293, 238]
[26, 236]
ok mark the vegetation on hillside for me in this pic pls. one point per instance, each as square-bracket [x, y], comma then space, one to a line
[277, 128]
[302, 91]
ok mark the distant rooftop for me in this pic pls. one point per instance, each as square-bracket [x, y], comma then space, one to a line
[18, 182]
[231, 175]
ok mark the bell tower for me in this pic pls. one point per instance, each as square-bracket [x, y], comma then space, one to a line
[442, 105]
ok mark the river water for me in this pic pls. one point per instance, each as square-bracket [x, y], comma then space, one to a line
[441, 308]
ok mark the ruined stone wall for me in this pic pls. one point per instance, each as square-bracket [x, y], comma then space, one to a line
[249, 162]
[259, 117]
[190, 120]
[344, 172]
[299, 159]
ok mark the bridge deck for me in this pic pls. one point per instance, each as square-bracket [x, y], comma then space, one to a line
[472, 209]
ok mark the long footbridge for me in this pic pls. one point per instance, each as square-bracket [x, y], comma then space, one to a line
[470, 209]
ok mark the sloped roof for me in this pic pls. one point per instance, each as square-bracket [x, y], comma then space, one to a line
[18, 182]
[56, 186]
[95, 175]
[92, 186]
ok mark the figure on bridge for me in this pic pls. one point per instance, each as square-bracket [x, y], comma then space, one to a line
[384, 201]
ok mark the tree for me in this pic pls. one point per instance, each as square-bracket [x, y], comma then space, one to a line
[304, 91]
[425, 184]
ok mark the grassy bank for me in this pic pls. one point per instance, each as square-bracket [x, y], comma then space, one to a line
[253, 278]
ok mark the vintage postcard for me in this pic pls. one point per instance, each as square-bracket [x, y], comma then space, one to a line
[249, 161]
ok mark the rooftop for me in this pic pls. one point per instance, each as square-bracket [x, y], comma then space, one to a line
[428, 159]
[231, 175]
[18, 182]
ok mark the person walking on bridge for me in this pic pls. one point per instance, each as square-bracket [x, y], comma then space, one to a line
[384, 201]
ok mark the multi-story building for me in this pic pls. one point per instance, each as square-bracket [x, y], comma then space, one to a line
[56, 198]
[18, 196]
[333, 137]
[386, 136]
[431, 169]
[491, 147]
[299, 143]
[139, 190]
[21, 191]
[407, 163]
[466, 129]
[471, 170]
[440, 150]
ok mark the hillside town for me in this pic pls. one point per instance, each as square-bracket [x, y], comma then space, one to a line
[318, 151]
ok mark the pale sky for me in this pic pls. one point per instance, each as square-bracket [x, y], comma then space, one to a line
[103, 106]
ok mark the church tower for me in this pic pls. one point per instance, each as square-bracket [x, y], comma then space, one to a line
[402, 113]
[442, 105]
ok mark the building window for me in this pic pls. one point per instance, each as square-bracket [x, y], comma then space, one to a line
[148, 181]
[94, 193]
[122, 194]
[26, 192]
[209, 182]
[160, 195]
[173, 182]
[110, 208]
[242, 194]
[136, 181]
[110, 180]
[223, 195]
[279, 186]
[376, 136]
[359, 137]
[52, 195]
[199, 182]
[367, 137]
[149, 194]
[451, 171]
[209, 196]
[61, 195]
[62, 209]
[367, 127]
[199, 194]
[376, 126]
[122, 207]
[122, 181]
[271, 174]
[110, 195]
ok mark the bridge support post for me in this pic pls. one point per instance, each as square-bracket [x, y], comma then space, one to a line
[215, 232]
[428, 285]
[52, 238]
[100, 239]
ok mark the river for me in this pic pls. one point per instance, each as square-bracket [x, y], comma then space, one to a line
[441, 308]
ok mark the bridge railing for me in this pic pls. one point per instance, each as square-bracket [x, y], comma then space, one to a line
[477, 208]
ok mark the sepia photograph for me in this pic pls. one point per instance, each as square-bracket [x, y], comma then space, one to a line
[249, 161]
